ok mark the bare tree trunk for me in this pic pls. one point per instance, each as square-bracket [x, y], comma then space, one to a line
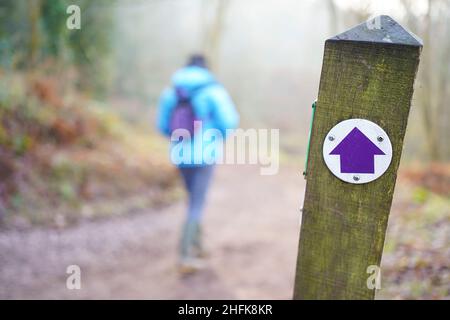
[215, 33]
[443, 85]
[34, 14]
[426, 95]
[333, 17]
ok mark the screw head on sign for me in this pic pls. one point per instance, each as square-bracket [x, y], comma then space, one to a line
[356, 178]
[331, 138]
[380, 139]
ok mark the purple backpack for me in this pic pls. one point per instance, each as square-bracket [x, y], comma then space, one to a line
[183, 115]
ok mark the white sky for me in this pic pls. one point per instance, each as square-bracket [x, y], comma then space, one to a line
[394, 7]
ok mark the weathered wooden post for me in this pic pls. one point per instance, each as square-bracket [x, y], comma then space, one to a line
[368, 73]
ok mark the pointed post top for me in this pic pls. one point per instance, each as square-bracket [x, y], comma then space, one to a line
[381, 29]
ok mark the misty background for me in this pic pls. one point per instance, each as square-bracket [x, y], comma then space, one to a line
[85, 177]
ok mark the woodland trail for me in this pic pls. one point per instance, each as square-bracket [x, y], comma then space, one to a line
[251, 231]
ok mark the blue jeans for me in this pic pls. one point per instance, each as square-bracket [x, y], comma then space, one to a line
[196, 180]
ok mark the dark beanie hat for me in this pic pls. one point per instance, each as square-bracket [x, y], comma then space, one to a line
[197, 60]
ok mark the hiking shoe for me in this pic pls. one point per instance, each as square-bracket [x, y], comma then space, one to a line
[200, 252]
[191, 265]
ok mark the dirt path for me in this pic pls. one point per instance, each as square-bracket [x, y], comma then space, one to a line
[252, 226]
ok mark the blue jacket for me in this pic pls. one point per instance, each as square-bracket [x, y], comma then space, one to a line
[211, 104]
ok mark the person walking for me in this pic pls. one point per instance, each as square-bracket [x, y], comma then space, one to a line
[195, 103]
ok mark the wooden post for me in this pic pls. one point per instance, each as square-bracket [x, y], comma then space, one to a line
[368, 72]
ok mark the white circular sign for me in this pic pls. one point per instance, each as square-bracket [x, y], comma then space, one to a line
[357, 151]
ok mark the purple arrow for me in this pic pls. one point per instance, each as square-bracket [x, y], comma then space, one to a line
[357, 153]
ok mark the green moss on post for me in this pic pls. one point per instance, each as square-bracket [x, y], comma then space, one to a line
[368, 72]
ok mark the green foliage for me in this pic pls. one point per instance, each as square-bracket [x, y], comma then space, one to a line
[420, 195]
[32, 34]
[91, 47]
[415, 258]
[53, 22]
[16, 201]
[66, 177]
[14, 32]
[21, 144]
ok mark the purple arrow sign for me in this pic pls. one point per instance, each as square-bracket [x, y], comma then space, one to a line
[357, 153]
